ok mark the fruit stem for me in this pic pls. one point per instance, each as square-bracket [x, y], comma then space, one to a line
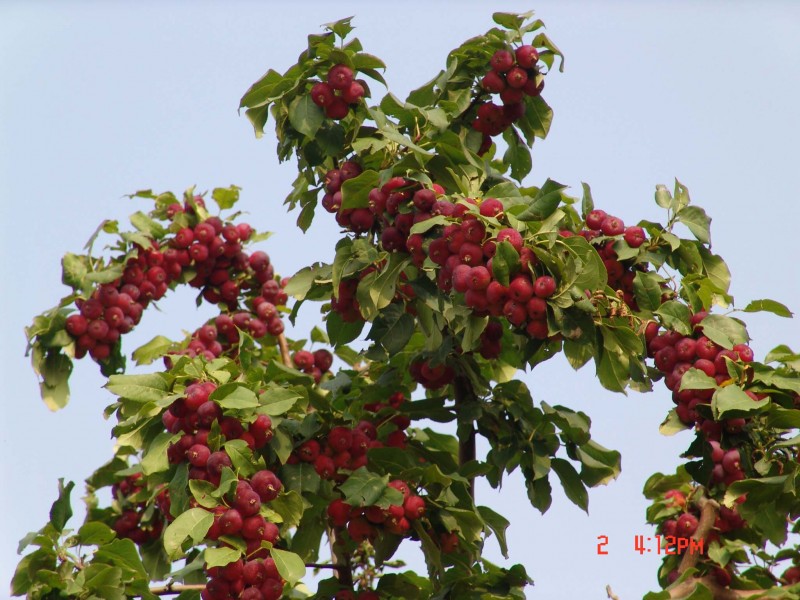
[464, 394]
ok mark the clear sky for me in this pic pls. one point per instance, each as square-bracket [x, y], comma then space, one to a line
[98, 100]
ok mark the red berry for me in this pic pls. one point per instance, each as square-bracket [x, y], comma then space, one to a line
[340, 77]
[501, 61]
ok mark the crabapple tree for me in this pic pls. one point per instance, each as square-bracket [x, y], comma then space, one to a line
[243, 453]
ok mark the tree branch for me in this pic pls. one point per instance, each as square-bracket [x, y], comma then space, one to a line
[286, 357]
[708, 515]
[343, 566]
[718, 592]
[464, 394]
[611, 594]
[172, 589]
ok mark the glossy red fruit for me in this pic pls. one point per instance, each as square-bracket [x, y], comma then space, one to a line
[340, 77]
[526, 56]
[687, 525]
[266, 484]
[501, 61]
[595, 218]
[544, 286]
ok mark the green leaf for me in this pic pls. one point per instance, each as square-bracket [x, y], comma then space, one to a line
[194, 524]
[55, 370]
[290, 566]
[498, 524]
[725, 331]
[355, 191]
[73, 270]
[278, 401]
[95, 533]
[305, 116]
[647, 290]
[226, 197]
[587, 203]
[290, 506]
[767, 305]
[363, 488]
[695, 379]
[105, 581]
[505, 262]
[123, 554]
[732, 402]
[61, 510]
[155, 348]
[675, 315]
[698, 222]
[341, 332]
[147, 225]
[663, 197]
[571, 482]
[219, 557]
[539, 493]
[155, 458]
[235, 396]
[537, 119]
[508, 20]
[544, 203]
[599, 465]
[392, 328]
[139, 388]
[300, 477]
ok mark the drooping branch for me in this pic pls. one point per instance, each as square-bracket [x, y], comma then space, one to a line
[464, 394]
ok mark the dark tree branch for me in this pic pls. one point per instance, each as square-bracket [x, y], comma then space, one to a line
[464, 394]
[172, 589]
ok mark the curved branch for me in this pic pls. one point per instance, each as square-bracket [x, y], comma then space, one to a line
[708, 515]
[286, 356]
[719, 593]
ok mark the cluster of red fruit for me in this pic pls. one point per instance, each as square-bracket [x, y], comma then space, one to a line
[365, 523]
[213, 251]
[115, 308]
[194, 414]
[345, 449]
[132, 523]
[685, 524]
[315, 363]
[674, 354]
[338, 92]
[513, 76]
[621, 274]
[727, 465]
[252, 579]
[255, 578]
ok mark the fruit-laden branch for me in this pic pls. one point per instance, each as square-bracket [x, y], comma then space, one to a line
[709, 509]
[464, 394]
[344, 570]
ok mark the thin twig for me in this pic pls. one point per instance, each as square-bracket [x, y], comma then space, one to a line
[611, 594]
[325, 566]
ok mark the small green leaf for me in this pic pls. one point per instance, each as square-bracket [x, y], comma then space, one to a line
[363, 488]
[725, 331]
[226, 197]
[290, 566]
[219, 557]
[235, 396]
[139, 388]
[155, 458]
[73, 270]
[676, 316]
[571, 482]
[498, 524]
[767, 305]
[695, 379]
[278, 401]
[305, 116]
[731, 402]
[61, 510]
[698, 222]
[194, 524]
[355, 191]
[544, 203]
[95, 533]
[587, 203]
[155, 348]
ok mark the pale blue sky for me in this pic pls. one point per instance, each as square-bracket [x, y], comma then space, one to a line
[99, 99]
